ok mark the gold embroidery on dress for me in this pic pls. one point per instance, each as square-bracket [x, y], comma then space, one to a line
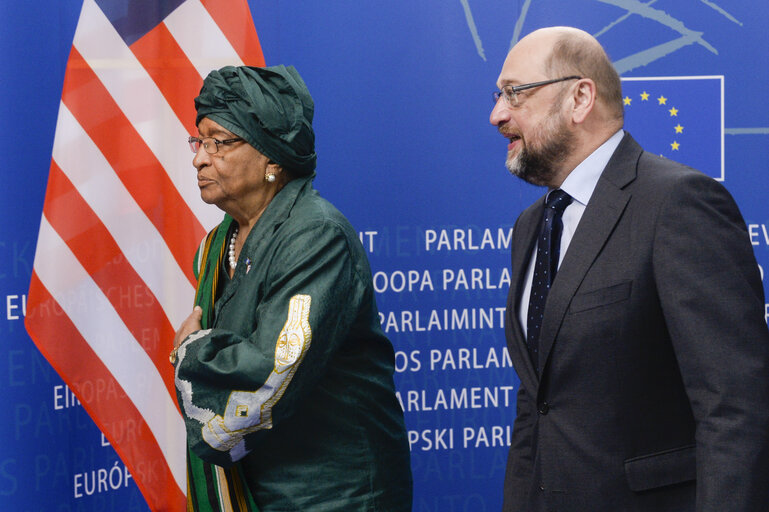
[295, 334]
[249, 411]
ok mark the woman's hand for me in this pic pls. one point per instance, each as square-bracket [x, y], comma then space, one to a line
[190, 325]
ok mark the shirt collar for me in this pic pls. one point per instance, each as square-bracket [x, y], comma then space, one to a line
[581, 182]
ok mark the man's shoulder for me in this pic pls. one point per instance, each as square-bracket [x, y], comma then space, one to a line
[632, 166]
[659, 167]
[657, 175]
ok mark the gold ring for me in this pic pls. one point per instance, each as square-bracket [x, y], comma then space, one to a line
[172, 356]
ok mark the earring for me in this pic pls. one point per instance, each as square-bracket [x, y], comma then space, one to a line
[269, 177]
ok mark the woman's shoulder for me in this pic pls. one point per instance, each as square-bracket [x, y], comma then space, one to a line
[312, 210]
[317, 226]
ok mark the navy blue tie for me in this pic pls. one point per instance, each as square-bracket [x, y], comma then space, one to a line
[545, 267]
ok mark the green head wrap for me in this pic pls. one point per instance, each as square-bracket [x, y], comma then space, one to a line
[269, 107]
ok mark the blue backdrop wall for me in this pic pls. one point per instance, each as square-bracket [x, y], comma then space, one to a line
[403, 94]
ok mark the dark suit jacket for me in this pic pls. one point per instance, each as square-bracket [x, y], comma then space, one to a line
[654, 390]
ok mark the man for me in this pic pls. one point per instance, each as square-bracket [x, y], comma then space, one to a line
[644, 361]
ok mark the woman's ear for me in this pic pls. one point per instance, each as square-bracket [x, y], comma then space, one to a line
[274, 172]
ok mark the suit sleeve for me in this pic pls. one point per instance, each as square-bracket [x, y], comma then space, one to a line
[520, 465]
[712, 297]
[234, 388]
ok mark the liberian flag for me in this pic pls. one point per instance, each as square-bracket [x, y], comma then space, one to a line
[122, 219]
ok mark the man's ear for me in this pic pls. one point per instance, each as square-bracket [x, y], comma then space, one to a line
[584, 100]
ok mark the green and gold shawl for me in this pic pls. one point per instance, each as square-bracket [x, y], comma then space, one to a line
[212, 488]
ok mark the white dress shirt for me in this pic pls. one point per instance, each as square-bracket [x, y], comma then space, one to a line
[579, 184]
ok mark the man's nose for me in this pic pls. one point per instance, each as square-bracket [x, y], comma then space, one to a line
[500, 114]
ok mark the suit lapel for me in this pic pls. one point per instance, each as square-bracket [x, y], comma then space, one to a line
[524, 237]
[603, 211]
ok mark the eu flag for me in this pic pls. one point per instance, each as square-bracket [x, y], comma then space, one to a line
[680, 118]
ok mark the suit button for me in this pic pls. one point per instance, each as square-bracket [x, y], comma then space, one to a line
[544, 408]
[542, 487]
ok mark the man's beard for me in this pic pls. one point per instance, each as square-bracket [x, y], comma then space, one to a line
[538, 163]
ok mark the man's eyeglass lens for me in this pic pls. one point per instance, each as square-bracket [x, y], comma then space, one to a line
[510, 92]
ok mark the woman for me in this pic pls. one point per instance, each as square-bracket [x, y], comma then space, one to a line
[283, 374]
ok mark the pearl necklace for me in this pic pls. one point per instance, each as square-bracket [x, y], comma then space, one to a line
[233, 261]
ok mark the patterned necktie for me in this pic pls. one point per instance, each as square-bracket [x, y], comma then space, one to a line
[545, 267]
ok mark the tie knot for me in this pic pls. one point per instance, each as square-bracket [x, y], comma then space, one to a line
[558, 200]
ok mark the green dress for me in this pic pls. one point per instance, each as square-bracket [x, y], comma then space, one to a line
[292, 381]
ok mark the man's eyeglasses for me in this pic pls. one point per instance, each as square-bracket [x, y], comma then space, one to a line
[510, 92]
[210, 144]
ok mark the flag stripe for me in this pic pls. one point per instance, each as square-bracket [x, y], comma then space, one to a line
[110, 408]
[132, 161]
[134, 93]
[122, 219]
[173, 73]
[137, 238]
[97, 252]
[200, 38]
[101, 328]
[238, 26]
